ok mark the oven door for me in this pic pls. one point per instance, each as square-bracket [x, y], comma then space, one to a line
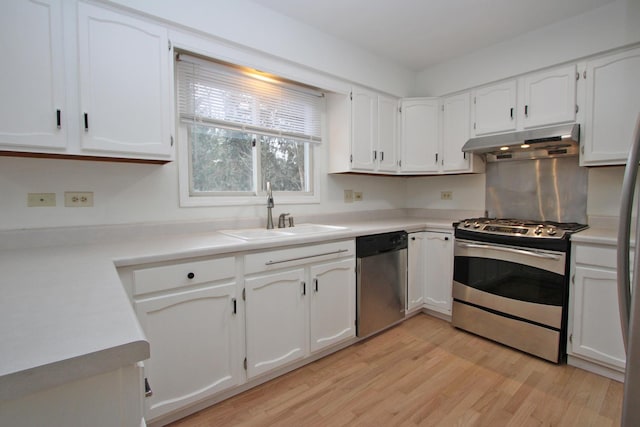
[525, 284]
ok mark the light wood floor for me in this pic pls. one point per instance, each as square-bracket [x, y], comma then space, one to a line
[424, 372]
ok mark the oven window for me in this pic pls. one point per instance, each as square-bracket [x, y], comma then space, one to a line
[510, 280]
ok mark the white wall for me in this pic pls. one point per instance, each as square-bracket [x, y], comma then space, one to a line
[468, 192]
[611, 26]
[251, 25]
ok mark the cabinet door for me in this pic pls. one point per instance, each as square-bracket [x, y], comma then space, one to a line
[387, 134]
[597, 333]
[439, 270]
[32, 75]
[455, 132]
[420, 136]
[612, 107]
[124, 84]
[194, 338]
[333, 303]
[494, 108]
[363, 128]
[550, 97]
[416, 271]
[276, 320]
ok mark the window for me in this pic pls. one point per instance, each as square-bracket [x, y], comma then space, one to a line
[243, 129]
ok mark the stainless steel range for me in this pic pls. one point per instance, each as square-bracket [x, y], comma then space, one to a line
[511, 282]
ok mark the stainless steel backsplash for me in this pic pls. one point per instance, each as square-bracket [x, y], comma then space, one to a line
[544, 189]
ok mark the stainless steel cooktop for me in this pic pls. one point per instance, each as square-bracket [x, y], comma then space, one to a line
[520, 227]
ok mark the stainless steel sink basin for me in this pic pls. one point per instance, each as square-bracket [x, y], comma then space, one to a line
[279, 233]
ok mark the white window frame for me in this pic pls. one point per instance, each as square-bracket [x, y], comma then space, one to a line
[187, 199]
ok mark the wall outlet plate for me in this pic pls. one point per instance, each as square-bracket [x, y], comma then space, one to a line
[357, 196]
[348, 196]
[446, 195]
[78, 199]
[41, 200]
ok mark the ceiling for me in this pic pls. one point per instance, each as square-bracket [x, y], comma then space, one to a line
[420, 33]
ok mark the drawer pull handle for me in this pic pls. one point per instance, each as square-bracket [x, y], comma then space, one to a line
[191, 275]
[339, 251]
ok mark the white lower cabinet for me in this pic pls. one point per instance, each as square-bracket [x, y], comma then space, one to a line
[276, 326]
[332, 303]
[194, 330]
[430, 271]
[439, 267]
[298, 301]
[416, 271]
[595, 334]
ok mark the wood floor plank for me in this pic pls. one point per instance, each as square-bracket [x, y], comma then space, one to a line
[423, 372]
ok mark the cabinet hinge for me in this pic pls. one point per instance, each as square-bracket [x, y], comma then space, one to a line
[442, 107]
[244, 294]
[245, 363]
[582, 150]
[577, 75]
[474, 125]
[400, 163]
[474, 100]
[584, 74]
[351, 96]
[171, 138]
[400, 109]
[169, 43]
[577, 108]
[571, 338]
[351, 158]
[573, 279]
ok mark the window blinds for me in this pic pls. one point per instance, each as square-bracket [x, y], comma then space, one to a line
[216, 94]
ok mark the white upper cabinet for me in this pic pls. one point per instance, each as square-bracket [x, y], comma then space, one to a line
[387, 134]
[97, 86]
[535, 100]
[420, 135]
[124, 83]
[549, 97]
[374, 127]
[32, 107]
[455, 116]
[495, 108]
[364, 128]
[612, 108]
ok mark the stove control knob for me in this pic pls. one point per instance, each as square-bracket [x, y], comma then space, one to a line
[538, 230]
[476, 224]
[466, 224]
[551, 231]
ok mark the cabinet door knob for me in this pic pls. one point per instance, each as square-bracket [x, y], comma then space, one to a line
[191, 275]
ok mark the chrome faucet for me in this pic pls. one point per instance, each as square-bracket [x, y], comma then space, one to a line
[281, 220]
[270, 206]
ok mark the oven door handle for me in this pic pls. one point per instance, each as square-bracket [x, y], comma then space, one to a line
[511, 250]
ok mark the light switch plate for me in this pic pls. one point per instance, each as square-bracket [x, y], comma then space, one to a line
[41, 200]
[348, 196]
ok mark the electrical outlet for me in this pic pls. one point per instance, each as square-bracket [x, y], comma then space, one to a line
[357, 196]
[348, 196]
[75, 199]
[41, 200]
[446, 195]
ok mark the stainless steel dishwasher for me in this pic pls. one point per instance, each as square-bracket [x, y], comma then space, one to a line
[381, 271]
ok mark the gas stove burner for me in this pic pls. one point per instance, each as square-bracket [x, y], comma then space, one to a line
[521, 227]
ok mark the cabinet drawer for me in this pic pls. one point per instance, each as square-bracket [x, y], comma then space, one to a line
[602, 256]
[156, 279]
[276, 259]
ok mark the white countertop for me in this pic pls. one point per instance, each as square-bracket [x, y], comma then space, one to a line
[65, 314]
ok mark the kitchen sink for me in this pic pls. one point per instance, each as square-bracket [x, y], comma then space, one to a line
[312, 229]
[279, 233]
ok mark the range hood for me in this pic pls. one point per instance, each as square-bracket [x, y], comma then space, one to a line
[554, 141]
